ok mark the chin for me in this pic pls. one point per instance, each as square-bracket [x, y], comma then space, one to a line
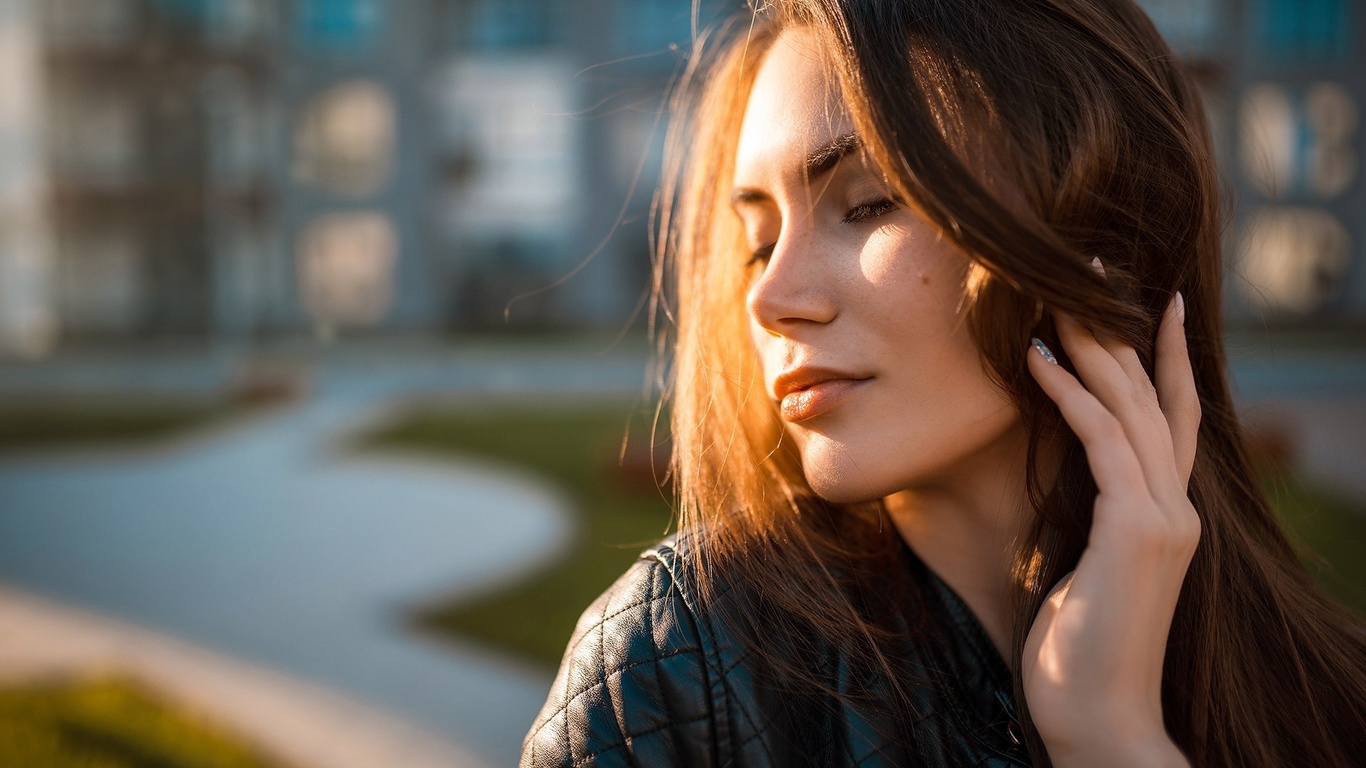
[844, 495]
[839, 479]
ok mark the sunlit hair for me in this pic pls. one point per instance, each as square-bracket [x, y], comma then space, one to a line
[1100, 138]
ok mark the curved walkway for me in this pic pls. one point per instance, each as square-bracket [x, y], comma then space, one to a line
[297, 723]
[261, 542]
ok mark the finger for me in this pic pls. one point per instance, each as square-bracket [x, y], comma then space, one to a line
[1090, 356]
[1113, 462]
[1131, 397]
[1176, 392]
[1121, 352]
[1127, 358]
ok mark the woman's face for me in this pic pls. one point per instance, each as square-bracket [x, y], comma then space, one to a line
[854, 300]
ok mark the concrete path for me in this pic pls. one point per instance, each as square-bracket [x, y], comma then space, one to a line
[296, 723]
[263, 543]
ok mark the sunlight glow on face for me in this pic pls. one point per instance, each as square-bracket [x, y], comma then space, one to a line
[851, 283]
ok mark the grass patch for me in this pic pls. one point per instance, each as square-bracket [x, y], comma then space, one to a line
[620, 510]
[578, 449]
[1332, 530]
[111, 723]
[31, 424]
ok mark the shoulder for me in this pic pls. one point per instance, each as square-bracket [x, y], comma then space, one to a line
[634, 687]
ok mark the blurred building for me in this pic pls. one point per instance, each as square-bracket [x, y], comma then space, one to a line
[228, 169]
[28, 319]
[223, 168]
[1285, 82]
[236, 169]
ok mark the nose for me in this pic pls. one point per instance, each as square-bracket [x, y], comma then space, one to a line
[795, 287]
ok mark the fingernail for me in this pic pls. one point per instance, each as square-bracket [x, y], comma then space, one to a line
[1044, 350]
[1097, 266]
[1180, 308]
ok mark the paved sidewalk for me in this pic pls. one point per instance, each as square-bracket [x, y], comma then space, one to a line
[299, 723]
[263, 543]
[267, 542]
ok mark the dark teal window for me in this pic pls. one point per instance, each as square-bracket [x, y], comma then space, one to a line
[1306, 30]
[338, 24]
[648, 26]
[493, 25]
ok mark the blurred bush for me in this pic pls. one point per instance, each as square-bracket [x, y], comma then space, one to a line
[48, 423]
[111, 722]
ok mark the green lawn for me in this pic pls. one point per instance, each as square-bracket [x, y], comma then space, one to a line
[578, 450]
[620, 511]
[40, 423]
[111, 723]
[1332, 530]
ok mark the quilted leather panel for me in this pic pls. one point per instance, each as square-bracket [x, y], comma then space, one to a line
[649, 680]
[630, 689]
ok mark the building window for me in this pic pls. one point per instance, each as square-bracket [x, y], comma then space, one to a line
[237, 21]
[1294, 260]
[346, 139]
[513, 148]
[651, 26]
[346, 264]
[1306, 30]
[1299, 143]
[1189, 26]
[492, 25]
[338, 24]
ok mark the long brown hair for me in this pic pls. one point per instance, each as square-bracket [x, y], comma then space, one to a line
[1099, 132]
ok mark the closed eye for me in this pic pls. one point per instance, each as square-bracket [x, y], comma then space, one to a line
[760, 255]
[870, 210]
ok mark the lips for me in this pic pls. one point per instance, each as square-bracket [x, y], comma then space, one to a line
[807, 392]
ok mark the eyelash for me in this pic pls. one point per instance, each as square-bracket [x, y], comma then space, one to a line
[860, 212]
[760, 254]
[870, 210]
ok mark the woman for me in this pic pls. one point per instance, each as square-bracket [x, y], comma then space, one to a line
[960, 481]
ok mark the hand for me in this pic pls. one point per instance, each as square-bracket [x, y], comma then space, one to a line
[1092, 664]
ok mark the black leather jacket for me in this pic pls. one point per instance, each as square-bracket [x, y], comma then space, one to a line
[649, 680]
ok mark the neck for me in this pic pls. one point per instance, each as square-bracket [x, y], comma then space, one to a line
[964, 526]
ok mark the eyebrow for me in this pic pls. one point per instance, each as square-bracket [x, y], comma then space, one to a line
[819, 162]
[827, 156]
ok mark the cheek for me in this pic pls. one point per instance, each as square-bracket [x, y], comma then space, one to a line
[914, 267]
[916, 317]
